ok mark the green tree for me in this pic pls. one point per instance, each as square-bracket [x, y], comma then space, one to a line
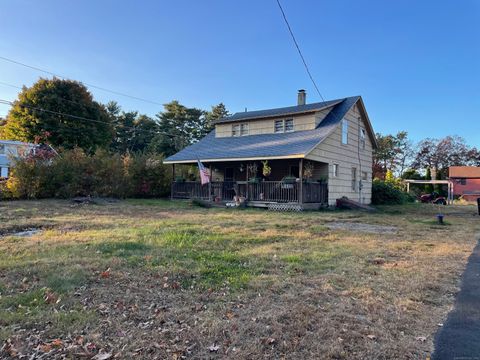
[32, 116]
[438, 187]
[132, 132]
[411, 174]
[145, 129]
[428, 176]
[383, 155]
[218, 112]
[178, 127]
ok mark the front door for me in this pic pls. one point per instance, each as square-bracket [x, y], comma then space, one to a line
[228, 175]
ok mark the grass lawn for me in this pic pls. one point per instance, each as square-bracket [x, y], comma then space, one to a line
[161, 279]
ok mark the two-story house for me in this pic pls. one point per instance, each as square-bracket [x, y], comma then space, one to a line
[9, 150]
[313, 154]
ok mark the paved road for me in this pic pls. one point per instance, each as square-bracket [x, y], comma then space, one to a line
[459, 338]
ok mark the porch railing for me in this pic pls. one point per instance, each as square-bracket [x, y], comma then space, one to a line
[275, 191]
[268, 191]
[315, 192]
[195, 190]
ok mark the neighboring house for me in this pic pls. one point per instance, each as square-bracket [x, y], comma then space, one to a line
[317, 153]
[466, 181]
[9, 150]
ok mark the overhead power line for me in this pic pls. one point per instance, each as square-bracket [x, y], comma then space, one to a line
[299, 51]
[63, 99]
[11, 103]
[91, 85]
[59, 98]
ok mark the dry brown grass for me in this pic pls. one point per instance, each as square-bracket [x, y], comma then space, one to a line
[183, 281]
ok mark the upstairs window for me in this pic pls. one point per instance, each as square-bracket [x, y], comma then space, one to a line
[236, 130]
[244, 129]
[283, 126]
[288, 125]
[344, 131]
[362, 138]
[2, 149]
[279, 128]
[240, 129]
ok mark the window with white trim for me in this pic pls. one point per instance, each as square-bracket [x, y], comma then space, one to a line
[363, 136]
[285, 125]
[344, 131]
[243, 129]
[288, 125]
[4, 172]
[236, 130]
[364, 176]
[279, 126]
[335, 170]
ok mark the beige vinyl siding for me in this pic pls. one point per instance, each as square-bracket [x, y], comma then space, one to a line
[332, 151]
[256, 127]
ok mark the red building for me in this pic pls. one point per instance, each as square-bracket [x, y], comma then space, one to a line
[466, 181]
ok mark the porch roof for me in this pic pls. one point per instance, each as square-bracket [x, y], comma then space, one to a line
[295, 144]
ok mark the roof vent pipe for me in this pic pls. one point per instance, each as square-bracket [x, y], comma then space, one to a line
[302, 97]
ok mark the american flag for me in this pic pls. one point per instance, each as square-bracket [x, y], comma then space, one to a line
[204, 174]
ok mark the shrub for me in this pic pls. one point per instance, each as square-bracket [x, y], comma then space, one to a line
[5, 193]
[74, 173]
[384, 193]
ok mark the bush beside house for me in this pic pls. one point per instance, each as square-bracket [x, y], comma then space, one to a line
[389, 193]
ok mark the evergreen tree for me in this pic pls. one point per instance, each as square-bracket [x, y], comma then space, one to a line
[428, 187]
[218, 112]
[178, 127]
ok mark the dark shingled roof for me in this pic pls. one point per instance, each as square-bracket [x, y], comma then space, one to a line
[264, 145]
[290, 110]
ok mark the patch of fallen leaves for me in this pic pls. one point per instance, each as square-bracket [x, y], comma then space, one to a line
[50, 297]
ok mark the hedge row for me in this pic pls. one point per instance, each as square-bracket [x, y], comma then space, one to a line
[74, 173]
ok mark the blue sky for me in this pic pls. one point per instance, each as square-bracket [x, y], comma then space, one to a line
[416, 63]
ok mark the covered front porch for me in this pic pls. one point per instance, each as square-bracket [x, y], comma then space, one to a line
[259, 183]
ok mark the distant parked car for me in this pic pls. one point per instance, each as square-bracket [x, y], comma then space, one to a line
[433, 198]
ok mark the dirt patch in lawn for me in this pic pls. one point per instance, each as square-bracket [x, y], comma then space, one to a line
[162, 280]
[362, 227]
